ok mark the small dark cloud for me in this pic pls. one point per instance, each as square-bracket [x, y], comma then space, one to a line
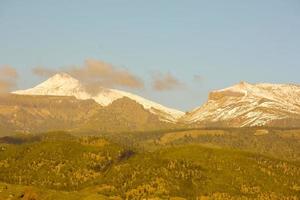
[165, 82]
[198, 78]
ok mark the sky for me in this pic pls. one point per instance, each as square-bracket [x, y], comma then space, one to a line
[190, 47]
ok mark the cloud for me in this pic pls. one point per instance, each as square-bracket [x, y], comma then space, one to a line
[105, 74]
[164, 82]
[44, 72]
[8, 78]
[95, 74]
[198, 78]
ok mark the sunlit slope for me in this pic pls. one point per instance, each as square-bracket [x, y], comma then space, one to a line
[279, 143]
[65, 163]
[58, 161]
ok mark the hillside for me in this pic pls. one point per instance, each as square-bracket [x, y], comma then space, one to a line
[58, 161]
[43, 113]
[97, 168]
[124, 115]
[279, 143]
[32, 114]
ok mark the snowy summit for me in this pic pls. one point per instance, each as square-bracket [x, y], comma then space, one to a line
[63, 84]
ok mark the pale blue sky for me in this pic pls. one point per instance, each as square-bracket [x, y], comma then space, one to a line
[224, 42]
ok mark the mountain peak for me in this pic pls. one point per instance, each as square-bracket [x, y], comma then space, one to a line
[60, 80]
[243, 84]
[62, 77]
[240, 87]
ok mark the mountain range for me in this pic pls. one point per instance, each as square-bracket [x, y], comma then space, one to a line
[63, 102]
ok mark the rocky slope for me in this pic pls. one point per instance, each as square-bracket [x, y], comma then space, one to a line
[247, 105]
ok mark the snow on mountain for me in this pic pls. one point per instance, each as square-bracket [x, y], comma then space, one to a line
[65, 85]
[240, 105]
[247, 104]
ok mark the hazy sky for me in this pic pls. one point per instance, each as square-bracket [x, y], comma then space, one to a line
[205, 45]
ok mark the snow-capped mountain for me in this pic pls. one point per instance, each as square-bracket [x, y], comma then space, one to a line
[241, 105]
[63, 84]
[245, 105]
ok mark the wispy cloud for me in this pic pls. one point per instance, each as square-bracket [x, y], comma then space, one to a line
[106, 74]
[164, 82]
[8, 78]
